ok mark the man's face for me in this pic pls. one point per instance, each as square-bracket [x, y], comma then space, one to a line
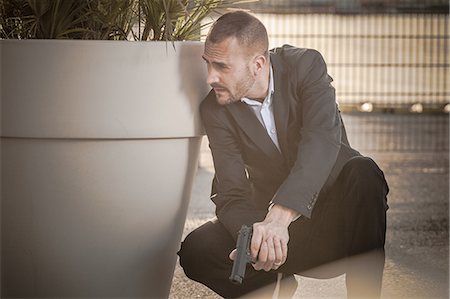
[229, 70]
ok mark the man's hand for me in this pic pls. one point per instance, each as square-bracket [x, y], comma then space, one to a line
[270, 239]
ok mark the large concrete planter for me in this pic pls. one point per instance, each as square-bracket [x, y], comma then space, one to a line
[99, 145]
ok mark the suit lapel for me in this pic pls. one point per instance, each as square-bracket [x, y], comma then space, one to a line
[280, 102]
[250, 124]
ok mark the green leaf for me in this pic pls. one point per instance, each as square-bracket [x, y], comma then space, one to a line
[108, 19]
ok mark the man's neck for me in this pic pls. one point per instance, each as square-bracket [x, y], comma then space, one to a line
[262, 84]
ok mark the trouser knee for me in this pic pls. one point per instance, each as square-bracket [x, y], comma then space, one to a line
[204, 252]
[365, 184]
[190, 255]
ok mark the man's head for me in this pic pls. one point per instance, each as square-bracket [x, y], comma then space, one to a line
[236, 53]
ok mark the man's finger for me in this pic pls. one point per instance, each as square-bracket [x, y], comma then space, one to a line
[262, 257]
[263, 252]
[256, 242]
[284, 249]
[279, 257]
[233, 255]
[271, 256]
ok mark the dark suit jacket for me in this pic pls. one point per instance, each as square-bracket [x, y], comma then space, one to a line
[250, 171]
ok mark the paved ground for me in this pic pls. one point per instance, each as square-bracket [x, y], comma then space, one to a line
[417, 237]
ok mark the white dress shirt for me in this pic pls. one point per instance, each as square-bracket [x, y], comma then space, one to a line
[264, 111]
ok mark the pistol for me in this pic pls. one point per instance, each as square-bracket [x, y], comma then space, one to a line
[243, 254]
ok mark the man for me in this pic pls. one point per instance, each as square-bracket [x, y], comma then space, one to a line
[282, 164]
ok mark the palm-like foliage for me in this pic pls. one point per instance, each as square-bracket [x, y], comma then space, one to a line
[52, 19]
[107, 19]
[178, 19]
[55, 19]
[110, 19]
[60, 19]
[13, 14]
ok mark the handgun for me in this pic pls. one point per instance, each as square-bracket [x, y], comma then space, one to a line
[243, 254]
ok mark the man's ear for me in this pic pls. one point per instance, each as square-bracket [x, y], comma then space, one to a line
[259, 63]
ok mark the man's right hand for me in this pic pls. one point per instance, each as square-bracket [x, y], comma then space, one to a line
[270, 238]
[269, 245]
[269, 254]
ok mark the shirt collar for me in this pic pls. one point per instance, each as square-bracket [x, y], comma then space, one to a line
[268, 98]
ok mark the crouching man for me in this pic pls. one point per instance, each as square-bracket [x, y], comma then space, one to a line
[283, 165]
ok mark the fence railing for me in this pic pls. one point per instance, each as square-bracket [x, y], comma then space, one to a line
[391, 61]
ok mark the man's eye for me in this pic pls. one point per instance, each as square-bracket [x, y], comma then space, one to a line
[222, 66]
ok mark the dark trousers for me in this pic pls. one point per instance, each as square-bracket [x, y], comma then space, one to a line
[346, 234]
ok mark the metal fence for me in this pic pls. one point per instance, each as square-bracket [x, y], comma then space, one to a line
[390, 70]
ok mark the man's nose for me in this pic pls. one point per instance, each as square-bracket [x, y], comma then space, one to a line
[212, 77]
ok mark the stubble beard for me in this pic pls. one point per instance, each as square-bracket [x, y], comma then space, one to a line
[242, 89]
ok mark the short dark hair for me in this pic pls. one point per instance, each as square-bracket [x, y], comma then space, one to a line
[248, 30]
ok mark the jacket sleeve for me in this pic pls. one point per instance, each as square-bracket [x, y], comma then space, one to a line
[320, 135]
[231, 192]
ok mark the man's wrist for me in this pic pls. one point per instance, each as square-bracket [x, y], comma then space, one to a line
[282, 214]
